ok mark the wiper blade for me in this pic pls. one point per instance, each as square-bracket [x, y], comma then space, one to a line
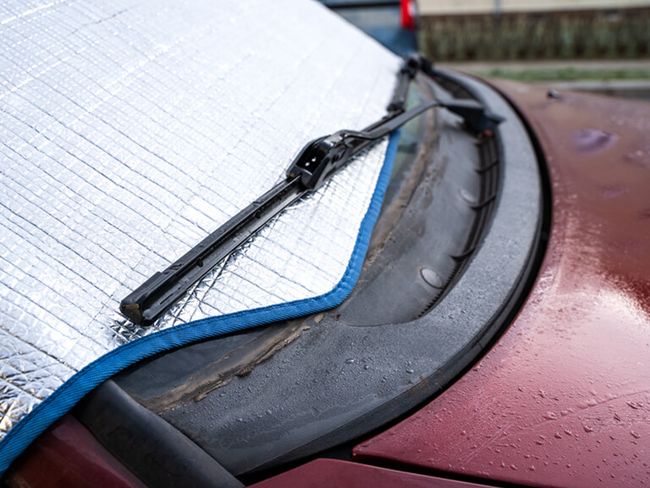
[314, 164]
[164, 288]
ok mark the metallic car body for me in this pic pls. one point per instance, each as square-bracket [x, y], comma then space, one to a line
[563, 399]
[47, 462]
[326, 473]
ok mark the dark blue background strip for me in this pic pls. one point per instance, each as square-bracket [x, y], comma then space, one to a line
[65, 397]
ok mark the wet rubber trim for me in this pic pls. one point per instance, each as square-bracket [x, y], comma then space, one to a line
[68, 395]
[367, 376]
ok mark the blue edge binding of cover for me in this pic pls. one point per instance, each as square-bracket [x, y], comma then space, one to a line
[67, 395]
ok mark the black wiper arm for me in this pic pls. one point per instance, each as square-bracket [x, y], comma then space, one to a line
[313, 165]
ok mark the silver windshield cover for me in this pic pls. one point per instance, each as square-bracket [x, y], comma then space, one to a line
[131, 130]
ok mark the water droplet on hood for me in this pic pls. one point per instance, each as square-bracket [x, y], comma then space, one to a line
[593, 140]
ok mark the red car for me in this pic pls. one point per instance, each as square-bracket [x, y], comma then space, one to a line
[497, 334]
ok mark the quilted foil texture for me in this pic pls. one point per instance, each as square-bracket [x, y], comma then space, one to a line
[130, 130]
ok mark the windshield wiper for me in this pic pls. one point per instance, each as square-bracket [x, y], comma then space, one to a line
[314, 164]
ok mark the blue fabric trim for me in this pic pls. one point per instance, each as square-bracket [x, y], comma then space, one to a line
[73, 390]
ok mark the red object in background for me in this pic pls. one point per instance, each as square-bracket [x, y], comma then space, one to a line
[67, 455]
[563, 399]
[329, 473]
[407, 11]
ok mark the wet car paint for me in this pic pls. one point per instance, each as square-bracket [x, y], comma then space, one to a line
[563, 399]
[68, 455]
[326, 473]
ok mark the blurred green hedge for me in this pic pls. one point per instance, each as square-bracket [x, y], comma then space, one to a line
[558, 35]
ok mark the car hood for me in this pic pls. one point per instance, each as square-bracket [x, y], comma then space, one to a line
[563, 399]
